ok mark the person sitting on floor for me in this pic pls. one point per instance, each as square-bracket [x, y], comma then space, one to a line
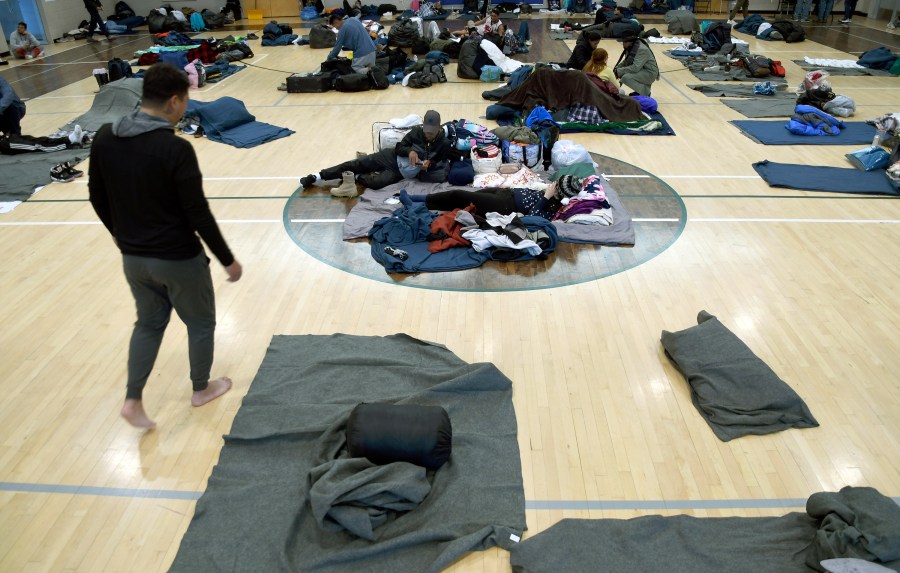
[12, 110]
[422, 154]
[353, 36]
[584, 47]
[491, 24]
[23, 44]
[637, 67]
[598, 66]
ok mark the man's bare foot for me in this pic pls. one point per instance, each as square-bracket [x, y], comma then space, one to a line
[133, 412]
[215, 389]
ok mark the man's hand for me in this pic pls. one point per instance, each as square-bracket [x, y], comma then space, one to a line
[426, 165]
[413, 157]
[234, 270]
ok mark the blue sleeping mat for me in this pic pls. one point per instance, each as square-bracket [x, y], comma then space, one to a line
[829, 179]
[666, 128]
[775, 133]
[227, 120]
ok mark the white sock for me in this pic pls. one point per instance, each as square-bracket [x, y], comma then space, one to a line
[76, 135]
[318, 177]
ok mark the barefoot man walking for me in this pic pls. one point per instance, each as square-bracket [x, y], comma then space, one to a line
[146, 186]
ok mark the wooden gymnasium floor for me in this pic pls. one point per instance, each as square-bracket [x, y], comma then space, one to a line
[809, 281]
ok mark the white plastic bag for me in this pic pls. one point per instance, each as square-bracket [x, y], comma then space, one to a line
[566, 152]
[489, 164]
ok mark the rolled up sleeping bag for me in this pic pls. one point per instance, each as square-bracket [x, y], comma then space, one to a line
[386, 433]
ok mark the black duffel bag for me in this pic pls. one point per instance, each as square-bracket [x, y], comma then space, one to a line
[353, 83]
[321, 36]
[339, 66]
[309, 83]
[378, 79]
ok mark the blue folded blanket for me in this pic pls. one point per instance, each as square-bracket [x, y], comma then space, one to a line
[227, 120]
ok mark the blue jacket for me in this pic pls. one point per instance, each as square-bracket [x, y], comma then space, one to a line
[809, 120]
[354, 37]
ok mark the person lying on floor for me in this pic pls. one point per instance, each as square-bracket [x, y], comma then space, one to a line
[423, 154]
[14, 144]
[529, 202]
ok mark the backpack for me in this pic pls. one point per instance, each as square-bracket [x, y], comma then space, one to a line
[510, 43]
[464, 135]
[403, 33]
[715, 36]
[436, 71]
[378, 79]
[118, 69]
[197, 22]
[419, 80]
[756, 66]
[123, 10]
[201, 74]
[321, 36]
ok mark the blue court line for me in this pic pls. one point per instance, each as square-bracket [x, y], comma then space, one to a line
[627, 504]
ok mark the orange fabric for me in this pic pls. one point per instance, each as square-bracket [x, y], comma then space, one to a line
[446, 224]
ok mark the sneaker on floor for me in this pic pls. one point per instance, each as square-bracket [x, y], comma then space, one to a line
[308, 181]
[845, 21]
[732, 22]
[63, 173]
[41, 55]
[282, 87]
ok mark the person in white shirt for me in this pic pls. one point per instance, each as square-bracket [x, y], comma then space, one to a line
[491, 24]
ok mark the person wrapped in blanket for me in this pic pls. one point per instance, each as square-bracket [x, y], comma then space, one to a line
[568, 199]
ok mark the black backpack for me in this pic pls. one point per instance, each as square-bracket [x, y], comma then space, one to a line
[378, 79]
[419, 80]
[123, 10]
[321, 36]
[716, 35]
[118, 69]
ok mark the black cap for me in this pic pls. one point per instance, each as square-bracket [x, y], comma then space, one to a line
[432, 123]
[629, 36]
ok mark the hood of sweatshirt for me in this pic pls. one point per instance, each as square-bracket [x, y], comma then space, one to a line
[137, 123]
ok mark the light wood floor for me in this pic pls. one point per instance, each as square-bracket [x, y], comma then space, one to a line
[810, 282]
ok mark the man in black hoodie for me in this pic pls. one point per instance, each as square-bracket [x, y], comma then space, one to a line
[95, 20]
[146, 186]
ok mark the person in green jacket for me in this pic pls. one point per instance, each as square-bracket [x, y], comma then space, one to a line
[637, 67]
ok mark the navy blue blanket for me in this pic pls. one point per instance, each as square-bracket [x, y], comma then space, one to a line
[775, 133]
[829, 179]
[406, 230]
[666, 128]
[227, 120]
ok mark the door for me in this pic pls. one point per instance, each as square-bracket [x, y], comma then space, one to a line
[14, 11]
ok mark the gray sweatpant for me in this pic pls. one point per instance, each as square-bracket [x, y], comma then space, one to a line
[158, 286]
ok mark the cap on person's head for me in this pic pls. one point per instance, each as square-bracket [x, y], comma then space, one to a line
[629, 36]
[432, 123]
[568, 185]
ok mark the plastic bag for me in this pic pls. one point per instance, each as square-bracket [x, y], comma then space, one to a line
[869, 158]
[566, 152]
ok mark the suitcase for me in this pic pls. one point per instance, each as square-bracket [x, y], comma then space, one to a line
[386, 136]
[309, 83]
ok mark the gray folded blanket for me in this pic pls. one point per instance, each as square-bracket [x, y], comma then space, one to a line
[735, 391]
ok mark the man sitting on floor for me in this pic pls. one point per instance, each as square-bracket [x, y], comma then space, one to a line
[637, 67]
[353, 37]
[23, 44]
[423, 154]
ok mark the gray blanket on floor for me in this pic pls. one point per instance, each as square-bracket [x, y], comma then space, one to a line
[735, 392]
[256, 513]
[23, 173]
[371, 207]
[742, 90]
[835, 71]
[794, 543]
[115, 99]
[762, 107]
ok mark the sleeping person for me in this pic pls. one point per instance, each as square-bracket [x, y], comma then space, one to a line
[547, 203]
